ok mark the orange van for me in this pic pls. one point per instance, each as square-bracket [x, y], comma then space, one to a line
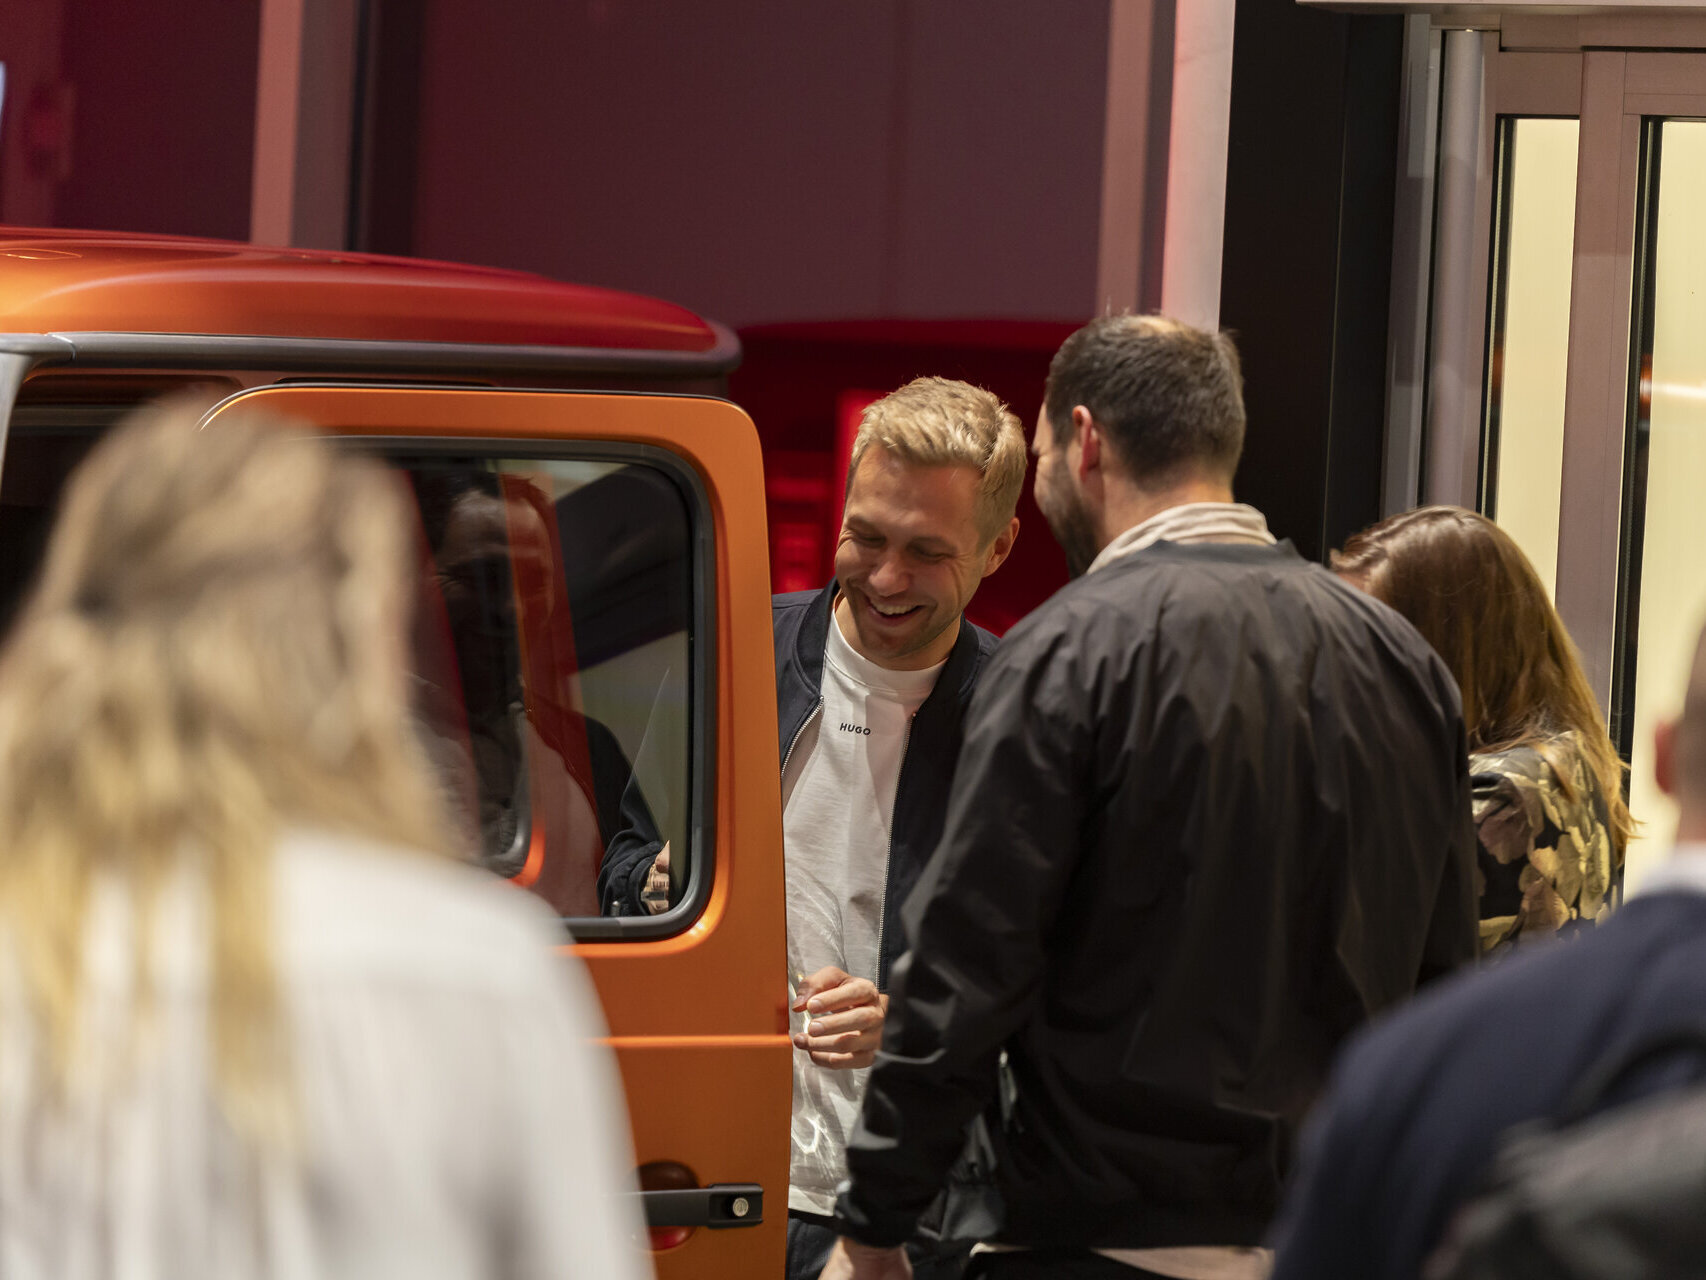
[593, 650]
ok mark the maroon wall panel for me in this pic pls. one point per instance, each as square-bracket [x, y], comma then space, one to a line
[764, 160]
[163, 127]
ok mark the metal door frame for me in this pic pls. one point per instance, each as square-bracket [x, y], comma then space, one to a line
[1540, 65]
[1619, 89]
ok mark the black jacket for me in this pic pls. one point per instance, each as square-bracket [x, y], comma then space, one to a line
[1212, 812]
[801, 621]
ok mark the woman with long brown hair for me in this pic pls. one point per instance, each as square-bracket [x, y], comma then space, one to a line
[1548, 785]
[252, 1021]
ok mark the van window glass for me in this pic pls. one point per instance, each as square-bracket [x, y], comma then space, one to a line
[553, 642]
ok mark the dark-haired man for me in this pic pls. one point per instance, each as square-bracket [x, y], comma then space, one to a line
[1212, 812]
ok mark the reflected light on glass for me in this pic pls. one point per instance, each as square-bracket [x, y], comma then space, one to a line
[1531, 346]
[1672, 601]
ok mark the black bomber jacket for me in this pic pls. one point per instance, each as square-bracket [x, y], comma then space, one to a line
[1211, 814]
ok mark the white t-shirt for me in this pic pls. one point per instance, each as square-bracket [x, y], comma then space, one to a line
[837, 807]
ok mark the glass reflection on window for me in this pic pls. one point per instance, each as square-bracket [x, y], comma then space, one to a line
[552, 646]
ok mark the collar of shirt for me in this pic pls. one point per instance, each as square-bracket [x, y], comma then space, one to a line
[1192, 522]
[1683, 872]
[850, 662]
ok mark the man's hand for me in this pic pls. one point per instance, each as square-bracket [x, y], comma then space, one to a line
[854, 1261]
[655, 894]
[847, 1019]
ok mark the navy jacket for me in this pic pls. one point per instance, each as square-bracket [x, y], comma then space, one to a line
[1414, 1113]
[801, 620]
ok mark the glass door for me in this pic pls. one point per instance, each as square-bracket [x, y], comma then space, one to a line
[1664, 590]
[1522, 457]
[1592, 448]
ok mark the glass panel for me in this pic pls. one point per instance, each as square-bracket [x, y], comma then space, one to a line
[553, 639]
[1671, 428]
[1531, 335]
[553, 643]
[56, 421]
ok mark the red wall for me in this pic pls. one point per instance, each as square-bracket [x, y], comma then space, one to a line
[764, 160]
[758, 160]
[163, 124]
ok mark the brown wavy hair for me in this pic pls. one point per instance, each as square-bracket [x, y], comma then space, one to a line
[1472, 593]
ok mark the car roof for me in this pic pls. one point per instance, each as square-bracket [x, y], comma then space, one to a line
[70, 282]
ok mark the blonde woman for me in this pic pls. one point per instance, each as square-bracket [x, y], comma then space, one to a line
[252, 1021]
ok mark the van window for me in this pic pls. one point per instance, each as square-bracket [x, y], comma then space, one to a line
[554, 648]
[554, 657]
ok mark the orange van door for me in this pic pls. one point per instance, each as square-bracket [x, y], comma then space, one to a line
[595, 680]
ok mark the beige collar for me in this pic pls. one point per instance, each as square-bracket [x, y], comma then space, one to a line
[1192, 522]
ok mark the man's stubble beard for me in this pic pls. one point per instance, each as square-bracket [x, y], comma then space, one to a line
[1073, 528]
[917, 644]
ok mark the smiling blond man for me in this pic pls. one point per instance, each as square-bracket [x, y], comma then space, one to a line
[873, 674]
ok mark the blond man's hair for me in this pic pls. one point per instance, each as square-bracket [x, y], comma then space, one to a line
[216, 652]
[939, 422]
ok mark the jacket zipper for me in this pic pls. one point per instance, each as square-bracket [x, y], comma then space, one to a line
[888, 863]
[795, 741]
[787, 756]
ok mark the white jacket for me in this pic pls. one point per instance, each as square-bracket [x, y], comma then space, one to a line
[457, 1121]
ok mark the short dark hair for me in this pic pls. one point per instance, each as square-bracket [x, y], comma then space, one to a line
[1168, 396]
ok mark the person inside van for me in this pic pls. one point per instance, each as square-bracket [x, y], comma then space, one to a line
[497, 708]
[256, 1020]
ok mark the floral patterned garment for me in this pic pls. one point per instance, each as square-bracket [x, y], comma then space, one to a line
[1545, 861]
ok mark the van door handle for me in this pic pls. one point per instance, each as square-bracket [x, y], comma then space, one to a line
[723, 1204]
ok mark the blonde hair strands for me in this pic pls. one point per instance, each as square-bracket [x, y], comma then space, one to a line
[939, 422]
[214, 653]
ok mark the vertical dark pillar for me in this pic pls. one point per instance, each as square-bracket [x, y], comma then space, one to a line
[387, 121]
[1311, 171]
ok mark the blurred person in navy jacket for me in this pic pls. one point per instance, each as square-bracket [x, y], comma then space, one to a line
[1418, 1103]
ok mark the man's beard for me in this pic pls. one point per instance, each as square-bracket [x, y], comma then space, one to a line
[1072, 526]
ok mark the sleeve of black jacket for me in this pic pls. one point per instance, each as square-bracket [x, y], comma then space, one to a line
[1452, 937]
[975, 926]
[625, 824]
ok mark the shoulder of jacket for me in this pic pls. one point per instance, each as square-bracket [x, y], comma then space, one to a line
[791, 602]
[353, 902]
[1071, 622]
